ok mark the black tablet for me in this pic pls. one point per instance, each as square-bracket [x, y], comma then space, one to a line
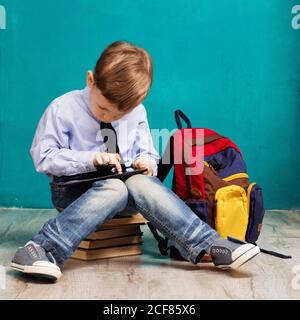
[121, 176]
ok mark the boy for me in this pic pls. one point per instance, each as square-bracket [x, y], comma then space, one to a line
[68, 142]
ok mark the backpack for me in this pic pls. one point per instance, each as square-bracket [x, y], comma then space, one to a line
[218, 190]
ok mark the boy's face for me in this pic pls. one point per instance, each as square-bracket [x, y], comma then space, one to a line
[101, 108]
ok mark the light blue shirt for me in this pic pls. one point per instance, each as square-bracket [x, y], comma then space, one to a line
[68, 135]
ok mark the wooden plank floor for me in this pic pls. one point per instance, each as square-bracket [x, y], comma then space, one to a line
[151, 276]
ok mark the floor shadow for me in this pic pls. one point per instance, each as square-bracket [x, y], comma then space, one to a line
[23, 277]
[153, 253]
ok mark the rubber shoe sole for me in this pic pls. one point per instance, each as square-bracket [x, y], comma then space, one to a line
[245, 254]
[41, 269]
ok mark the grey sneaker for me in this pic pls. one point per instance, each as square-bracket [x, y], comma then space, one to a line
[34, 260]
[227, 254]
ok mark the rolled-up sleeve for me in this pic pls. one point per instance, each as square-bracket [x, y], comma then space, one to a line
[50, 148]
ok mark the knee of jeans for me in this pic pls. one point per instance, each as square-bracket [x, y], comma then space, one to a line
[140, 183]
[114, 185]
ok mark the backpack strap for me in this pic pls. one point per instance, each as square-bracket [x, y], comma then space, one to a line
[275, 254]
[162, 242]
[271, 253]
[179, 114]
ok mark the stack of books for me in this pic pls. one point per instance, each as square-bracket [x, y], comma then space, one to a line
[118, 237]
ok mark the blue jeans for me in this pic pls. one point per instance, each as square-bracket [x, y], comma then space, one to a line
[106, 198]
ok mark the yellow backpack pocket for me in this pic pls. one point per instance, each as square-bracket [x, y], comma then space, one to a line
[231, 212]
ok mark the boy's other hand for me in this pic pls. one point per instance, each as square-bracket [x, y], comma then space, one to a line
[143, 164]
[104, 159]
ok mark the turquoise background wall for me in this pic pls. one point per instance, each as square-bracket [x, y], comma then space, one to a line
[232, 65]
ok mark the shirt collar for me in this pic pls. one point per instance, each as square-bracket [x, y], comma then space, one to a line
[86, 99]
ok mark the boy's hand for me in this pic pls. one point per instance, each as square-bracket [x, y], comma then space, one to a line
[104, 158]
[143, 164]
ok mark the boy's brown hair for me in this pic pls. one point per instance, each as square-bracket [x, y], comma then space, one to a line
[123, 73]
